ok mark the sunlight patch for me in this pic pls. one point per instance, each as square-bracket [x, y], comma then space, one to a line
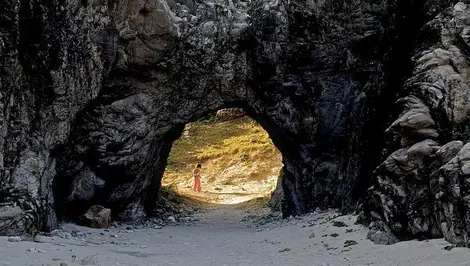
[239, 161]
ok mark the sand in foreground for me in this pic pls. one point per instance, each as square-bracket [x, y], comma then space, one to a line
[229, 235]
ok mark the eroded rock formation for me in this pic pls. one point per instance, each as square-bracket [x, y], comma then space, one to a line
[93, 93]
[422, 186]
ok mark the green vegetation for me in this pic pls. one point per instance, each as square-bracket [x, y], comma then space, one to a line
[220, 145]
[247, 138]
[211, 140]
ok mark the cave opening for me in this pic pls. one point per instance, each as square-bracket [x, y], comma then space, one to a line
[239, 161]
[122, 165]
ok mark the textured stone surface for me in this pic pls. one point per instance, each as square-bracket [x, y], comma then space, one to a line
[50, 69]
[230, 114]
[421, 189]
[365, 98]
[380, 233]
[208, 56]
[97, 217]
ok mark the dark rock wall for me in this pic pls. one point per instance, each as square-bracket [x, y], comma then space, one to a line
[93, 93]
[421, 187]
[50, 69]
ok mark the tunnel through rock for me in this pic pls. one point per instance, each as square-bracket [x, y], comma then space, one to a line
[239, 160]
[152, 72]
[119, 80]
[90, 175]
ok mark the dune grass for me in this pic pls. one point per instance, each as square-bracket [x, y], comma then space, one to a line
[219, 145]
[241, 137]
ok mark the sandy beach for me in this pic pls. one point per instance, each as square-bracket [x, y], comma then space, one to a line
[228, 235]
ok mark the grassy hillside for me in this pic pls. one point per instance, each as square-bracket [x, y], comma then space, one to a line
[237, 157]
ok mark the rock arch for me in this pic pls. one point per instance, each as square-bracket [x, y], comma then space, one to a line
[170, 72]
[121, 78]
[92, 96]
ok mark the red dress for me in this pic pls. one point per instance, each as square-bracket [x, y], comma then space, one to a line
[197, 179]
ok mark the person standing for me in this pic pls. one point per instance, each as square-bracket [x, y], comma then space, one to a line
[197, 178]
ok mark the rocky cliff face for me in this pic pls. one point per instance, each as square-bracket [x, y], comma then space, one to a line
[50, 69]
[421, 188]
[354, 95]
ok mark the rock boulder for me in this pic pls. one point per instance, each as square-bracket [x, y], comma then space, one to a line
[97, 217]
